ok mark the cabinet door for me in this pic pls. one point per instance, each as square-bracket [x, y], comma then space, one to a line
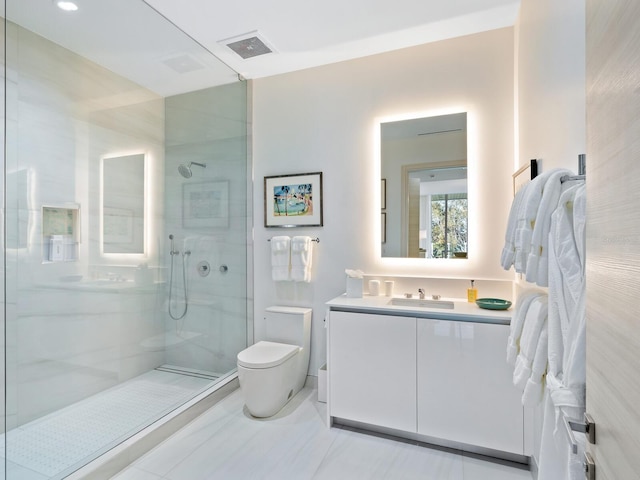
[465, 389]
[372, 369]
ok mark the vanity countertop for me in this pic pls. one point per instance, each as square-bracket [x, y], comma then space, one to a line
[462, 310]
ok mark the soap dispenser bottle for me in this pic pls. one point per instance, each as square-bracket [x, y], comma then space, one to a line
[472, 293]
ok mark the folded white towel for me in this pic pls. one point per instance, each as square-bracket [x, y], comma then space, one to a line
[301, 258]
[534, 324]
[517, 322]
[281, 258]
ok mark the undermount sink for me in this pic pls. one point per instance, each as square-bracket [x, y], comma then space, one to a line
[421, 302]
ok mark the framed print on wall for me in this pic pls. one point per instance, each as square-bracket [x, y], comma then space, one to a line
[383, 227]
[293, 200]
[524, 175]
[205, 204]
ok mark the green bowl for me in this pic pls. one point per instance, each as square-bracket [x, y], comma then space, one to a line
[493, 303]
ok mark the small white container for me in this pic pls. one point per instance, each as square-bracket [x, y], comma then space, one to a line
[354, 287]
[374, 288]
[56, 248]
[388, 288]
[322, 384]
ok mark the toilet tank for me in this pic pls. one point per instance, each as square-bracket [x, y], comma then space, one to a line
[290, 325]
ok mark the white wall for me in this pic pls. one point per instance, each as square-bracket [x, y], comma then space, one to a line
[550, 79]
[550, 62]
[326, 119]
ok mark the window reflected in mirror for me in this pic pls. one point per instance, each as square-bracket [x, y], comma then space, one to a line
[424, 162]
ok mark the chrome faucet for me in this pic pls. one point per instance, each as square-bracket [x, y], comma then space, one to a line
[421, 293]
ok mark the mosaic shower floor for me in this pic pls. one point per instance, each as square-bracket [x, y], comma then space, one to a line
[61, 442]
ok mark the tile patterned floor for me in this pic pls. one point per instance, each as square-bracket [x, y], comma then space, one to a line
[227, 443]
[57, 444]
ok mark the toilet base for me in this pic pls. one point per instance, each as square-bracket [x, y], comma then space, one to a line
[267, 390]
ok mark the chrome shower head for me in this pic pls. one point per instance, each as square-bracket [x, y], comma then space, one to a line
[185, 170]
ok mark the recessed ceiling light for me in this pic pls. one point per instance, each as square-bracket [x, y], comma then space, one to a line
[66, 6]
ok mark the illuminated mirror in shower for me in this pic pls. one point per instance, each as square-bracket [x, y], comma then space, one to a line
[123, 204]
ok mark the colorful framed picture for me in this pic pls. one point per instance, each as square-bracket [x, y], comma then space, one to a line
[293, 200]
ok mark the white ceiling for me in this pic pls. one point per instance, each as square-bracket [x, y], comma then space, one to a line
[127, 37]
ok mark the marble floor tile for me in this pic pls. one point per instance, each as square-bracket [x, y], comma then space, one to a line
[480, 469]
[227, 443]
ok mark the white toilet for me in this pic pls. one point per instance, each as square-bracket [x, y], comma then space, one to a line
[272, 371]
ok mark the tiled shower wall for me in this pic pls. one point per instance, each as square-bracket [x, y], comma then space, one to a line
[68, 340]
[209, 127]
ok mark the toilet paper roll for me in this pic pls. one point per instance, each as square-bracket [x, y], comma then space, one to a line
[388, 288]
[374, 287]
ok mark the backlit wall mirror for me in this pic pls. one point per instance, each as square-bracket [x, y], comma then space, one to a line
[425, 206]
[123, 204]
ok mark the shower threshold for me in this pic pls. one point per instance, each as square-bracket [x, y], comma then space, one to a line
[54, 446]
[191, 372]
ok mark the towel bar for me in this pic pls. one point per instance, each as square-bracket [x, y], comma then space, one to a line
[317, 240]
[588, 428]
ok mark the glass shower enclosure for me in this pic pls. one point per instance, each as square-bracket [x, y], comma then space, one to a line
[125, 228]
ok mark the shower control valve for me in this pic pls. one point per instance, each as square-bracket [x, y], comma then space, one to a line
[204, 268]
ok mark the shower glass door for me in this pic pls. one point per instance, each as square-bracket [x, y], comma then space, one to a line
[105, 330]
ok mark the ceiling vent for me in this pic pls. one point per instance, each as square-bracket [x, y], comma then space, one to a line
[249, 45]
[182, 63]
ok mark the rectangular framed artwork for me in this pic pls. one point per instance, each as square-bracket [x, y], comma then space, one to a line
[383, 227]
[524, 175]
[205, 205]
[293, 200]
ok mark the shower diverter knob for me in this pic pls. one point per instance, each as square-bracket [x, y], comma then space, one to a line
[204, 268]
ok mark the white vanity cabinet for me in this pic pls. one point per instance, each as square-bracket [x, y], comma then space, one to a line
[465, 389]
[372, 365]
[436, 376]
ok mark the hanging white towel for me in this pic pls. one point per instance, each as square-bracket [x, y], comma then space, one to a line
[301, 259]
[517, 322]
[527, 215]
[534, 323]
[281, 258]
[566, 378]
[538, 259]
[509, 250]
[534, 388]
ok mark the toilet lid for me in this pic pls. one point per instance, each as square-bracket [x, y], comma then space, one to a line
[266, 354]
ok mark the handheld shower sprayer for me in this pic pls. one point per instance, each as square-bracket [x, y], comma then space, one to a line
[185, 253]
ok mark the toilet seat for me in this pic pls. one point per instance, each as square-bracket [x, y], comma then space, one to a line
[266, 354]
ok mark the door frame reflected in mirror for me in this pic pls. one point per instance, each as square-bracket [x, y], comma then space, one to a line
[410, 230]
